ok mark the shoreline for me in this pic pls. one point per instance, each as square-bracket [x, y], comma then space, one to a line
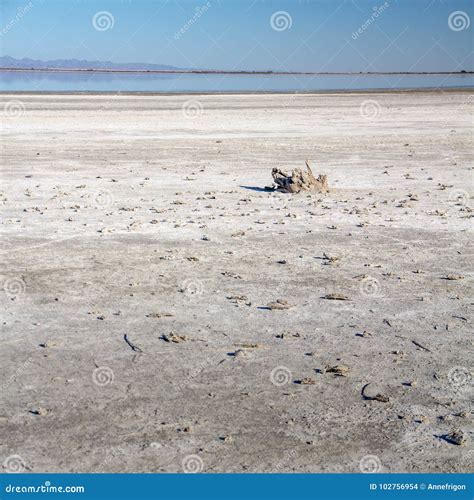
[247, 73]
[139, 93]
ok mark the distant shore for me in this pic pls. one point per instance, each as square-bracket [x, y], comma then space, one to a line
[221, 72]
[141, 93]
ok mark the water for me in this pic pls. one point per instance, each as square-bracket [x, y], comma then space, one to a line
[115, 82]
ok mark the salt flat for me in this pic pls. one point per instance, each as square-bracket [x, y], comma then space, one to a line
[126, 219]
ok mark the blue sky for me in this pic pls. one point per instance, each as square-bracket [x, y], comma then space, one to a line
[310, 35]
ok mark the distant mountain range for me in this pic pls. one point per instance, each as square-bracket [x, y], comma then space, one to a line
[71, 64]
[67, 65]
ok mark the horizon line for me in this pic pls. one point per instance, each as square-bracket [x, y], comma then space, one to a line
[231, 72]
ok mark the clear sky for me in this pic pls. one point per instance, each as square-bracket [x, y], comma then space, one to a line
[308, 35]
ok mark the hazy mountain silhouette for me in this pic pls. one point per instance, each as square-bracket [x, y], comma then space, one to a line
[11, 62]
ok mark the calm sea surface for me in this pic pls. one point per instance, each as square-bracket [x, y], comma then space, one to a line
[89, 82]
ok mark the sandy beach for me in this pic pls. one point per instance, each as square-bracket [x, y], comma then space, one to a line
[142, 259]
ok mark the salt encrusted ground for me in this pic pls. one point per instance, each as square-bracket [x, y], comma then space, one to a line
[116, 210]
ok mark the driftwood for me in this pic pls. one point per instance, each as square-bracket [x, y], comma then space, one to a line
[299, 180]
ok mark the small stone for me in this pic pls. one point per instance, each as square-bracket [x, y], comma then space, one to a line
[447, 418]
[239, 353]
[237, 299]
[248, 345]
[336, 296]
[237, 234]
[47, 344]
[160, 315]
[421, 419]
[227, 439]
[305, 381]
[172, 337]
[330, 259]
[279, 304]
[339, 370]
[38, 410]
[364, 334]
[454, 277]
[456, 437]
[373, 392]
